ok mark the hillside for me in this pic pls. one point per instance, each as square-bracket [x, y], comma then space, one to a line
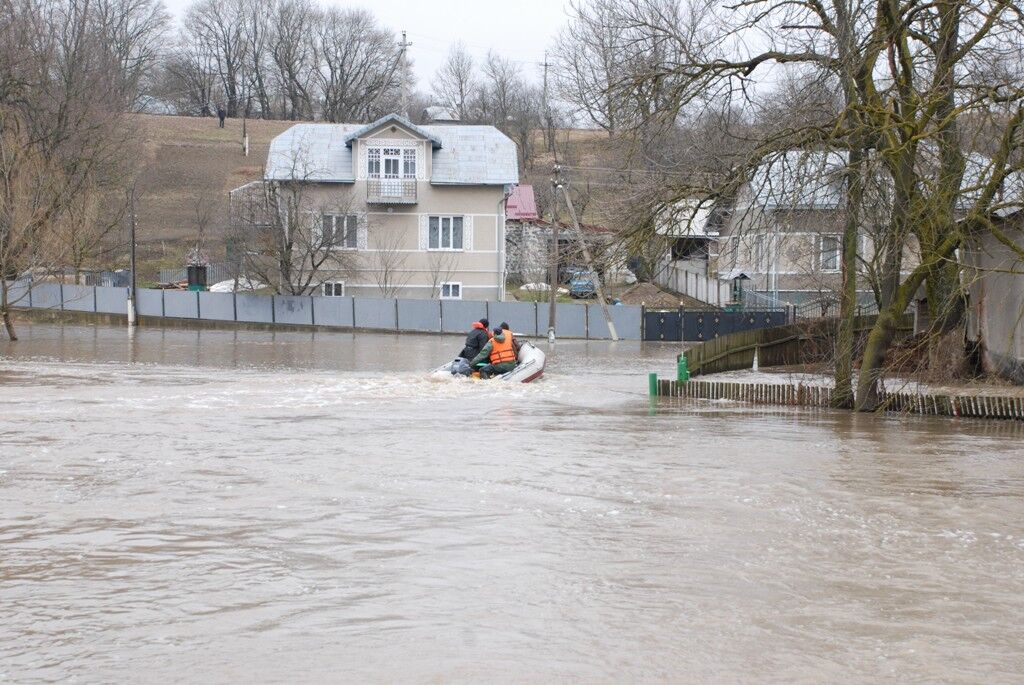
[190, 163]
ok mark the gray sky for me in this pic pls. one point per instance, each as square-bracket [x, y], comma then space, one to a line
[520, 30]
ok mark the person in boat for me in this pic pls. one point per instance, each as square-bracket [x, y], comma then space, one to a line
[517, 344]
[497, 357]
[475, 341]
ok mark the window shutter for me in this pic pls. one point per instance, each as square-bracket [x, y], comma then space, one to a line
[424, 224]
[362, 231]
[467, 233]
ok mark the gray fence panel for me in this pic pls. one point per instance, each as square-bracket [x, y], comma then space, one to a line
[570, 319]
[457, 316]
[17, 293]
[111, 300]
[181, 304]
[293, 309]
[151, 302]
[419, 315]
[375, 313]
[79, 298]
[46, 296]
[254, 308]
[333, 311]
[217, 306]
[626, 318]
[521, 317]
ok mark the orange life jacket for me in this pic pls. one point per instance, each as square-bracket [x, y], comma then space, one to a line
[502, 351]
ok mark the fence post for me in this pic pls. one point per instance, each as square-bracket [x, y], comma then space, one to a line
[397, 325]
[440, 316]
[95, 301]
[643, 322]
[312, 311]
[234, 306]
[586, 321]
[60, 289]
[199, 312]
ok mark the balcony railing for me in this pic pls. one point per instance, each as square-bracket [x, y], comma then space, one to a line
[391, 191]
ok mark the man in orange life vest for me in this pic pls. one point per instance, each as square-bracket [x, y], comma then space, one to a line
[498, 355]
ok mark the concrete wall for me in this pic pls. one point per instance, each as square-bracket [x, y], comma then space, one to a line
[385, 314]
[996, 317]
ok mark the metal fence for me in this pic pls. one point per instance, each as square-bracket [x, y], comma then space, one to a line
[215, 273]
[390, 314]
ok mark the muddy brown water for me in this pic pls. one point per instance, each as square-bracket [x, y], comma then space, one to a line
[224, 506]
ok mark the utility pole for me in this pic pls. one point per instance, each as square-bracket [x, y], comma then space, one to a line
[553, 271]
[589, 259]
[133, 290]
[403, 46]
[548, 127]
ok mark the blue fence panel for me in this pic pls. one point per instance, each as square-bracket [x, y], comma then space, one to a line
[18, 293]
[375, 313]
[151, 302]
[521, 317]
[79, 298]
[293, 309]
[333, 311]
[111, 300]
[570, 319]
[217, 306]
[419, 315]
[46, 296]
[181, 304]
[457, 316]
[626, 318]
[254, 308]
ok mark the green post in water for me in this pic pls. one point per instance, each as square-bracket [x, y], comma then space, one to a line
[652, 384]
[682, 370]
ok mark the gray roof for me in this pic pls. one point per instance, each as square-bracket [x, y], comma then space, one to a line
[392, 119]
[312, 152]
[468, 155]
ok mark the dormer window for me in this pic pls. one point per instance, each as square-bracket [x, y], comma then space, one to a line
[391, 162]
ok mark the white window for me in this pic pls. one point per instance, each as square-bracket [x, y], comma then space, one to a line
[444, 233]
[409, 163]
[829, 253]
[334, 289]
[340, 231]
[451, 291]
[373, 162]
[391, 162]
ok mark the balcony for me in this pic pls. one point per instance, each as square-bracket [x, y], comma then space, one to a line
[391, 191]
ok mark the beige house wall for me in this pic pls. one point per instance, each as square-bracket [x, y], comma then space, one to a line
[391, 260]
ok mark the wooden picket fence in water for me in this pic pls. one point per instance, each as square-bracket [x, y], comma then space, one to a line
[801, 395]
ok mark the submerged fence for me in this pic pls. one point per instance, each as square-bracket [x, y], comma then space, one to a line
[925, 402]
[375, 314]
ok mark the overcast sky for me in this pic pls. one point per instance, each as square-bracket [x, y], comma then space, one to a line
[521, 29]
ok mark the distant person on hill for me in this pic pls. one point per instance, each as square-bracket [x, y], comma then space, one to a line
[221, 114]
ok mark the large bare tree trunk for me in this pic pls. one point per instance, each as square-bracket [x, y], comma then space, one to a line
[845, 333]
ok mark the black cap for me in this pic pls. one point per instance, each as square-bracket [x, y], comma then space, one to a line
[498, 331]
[485, 322]
[504, 325]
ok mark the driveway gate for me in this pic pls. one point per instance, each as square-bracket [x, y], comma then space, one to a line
[663, 326]
[701, 326]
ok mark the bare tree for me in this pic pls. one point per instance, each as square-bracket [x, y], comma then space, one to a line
[387, 260]
[62, 130]
[456, 81]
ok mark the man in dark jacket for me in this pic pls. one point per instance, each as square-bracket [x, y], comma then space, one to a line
[475, 341]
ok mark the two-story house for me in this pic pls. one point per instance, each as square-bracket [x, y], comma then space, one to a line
[402, 210]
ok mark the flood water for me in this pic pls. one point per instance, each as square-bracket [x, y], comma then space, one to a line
[223, 506]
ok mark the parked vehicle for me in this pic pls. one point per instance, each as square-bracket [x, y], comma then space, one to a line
[583, 284]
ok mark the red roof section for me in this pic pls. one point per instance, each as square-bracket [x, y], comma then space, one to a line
[521, 204]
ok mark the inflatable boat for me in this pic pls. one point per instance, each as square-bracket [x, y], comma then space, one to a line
[529, 366]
